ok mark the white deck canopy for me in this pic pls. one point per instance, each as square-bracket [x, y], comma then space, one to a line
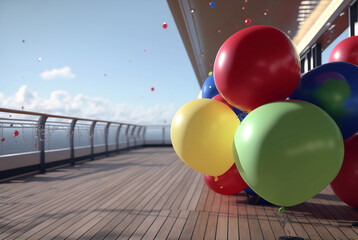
[204, 28]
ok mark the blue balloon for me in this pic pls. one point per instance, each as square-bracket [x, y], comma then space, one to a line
[209, 88]
[240, 114]
[334, 88]
[256, 199]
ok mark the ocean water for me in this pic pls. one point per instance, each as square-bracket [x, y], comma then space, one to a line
[58, 137]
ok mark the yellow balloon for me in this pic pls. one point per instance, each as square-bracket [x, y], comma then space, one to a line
[202, 134]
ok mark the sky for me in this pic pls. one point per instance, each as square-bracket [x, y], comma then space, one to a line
[96, 59]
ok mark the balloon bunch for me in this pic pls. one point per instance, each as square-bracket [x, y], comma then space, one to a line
[286, 151]
[345, 185]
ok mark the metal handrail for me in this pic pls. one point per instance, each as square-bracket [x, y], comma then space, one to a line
[40, 159]
[8, 110]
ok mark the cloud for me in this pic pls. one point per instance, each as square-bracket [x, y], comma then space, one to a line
[62, 103]
[57, 73]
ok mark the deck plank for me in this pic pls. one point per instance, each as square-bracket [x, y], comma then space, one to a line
[150, 194]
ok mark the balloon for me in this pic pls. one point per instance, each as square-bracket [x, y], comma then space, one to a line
[240, 114]
[209, 89]
[334, 88]
[345, 185]
[165, 25]
[16, 133]
[288, 151]
[221, 99]
[202, 134]
[256, 65]
[256, 199]
[229, 183]
[345, 51]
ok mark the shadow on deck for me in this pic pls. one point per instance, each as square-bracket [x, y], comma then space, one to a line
[150, 194]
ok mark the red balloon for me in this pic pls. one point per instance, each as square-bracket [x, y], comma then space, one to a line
[221, 99]
[345, 51]
[345, 185]
[229, 183]
[165, 25]
[255, 66]
[16, 133]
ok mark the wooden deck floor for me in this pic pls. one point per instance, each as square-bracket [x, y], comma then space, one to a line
[150, 194]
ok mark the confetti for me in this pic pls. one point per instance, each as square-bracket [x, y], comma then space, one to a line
[23, 41]
[221, 187]
[3, 139]
[145, 50]
[216, 179]
[39, 59]
[243, 8]
[22, 107]
[105, 74]
[219, 31]
[248, 21]
[16, 133]
[165, 25]
[192, 10]
[237, 26]
[212, 4]
[210, 73]
[152, 89]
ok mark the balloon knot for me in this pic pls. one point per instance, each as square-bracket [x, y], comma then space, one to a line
[282, 210]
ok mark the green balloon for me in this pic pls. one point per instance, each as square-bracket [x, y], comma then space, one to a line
[289, 151]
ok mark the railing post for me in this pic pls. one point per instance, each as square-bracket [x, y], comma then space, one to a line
[163, 135]
[41, 142]
[145, 129]
[132, 134]
[127, 130]
[72, 144]
[92, 138]
[138, 133]
[117, 137]
[106, 137]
